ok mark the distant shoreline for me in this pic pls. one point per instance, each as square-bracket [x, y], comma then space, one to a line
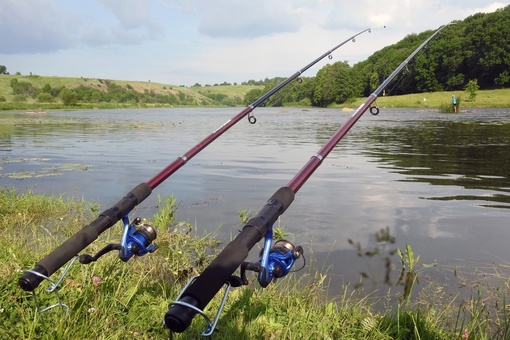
[34, 109]
[202, 96]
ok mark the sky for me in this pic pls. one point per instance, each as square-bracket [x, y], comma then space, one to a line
[207, 41]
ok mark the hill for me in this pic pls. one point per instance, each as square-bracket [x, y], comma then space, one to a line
[33, 91]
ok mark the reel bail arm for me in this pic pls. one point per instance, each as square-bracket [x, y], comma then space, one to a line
[275, 261]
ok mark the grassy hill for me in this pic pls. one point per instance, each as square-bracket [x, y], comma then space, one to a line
[184, 96]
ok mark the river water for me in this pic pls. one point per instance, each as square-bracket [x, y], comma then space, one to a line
[439, 182]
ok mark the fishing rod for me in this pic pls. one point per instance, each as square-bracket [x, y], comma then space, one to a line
[275, 261]
[137, 238]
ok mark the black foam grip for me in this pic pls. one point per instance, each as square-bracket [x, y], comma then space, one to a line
[141, 192]
[274, 207]
[205, 287]
[76, 243]
[285, 196]
[218, 272]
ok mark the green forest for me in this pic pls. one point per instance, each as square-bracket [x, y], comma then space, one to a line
[467, 55]
[475, 51]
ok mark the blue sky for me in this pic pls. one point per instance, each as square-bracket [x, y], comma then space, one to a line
[206, 41]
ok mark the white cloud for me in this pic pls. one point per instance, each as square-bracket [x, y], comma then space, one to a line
[130, 13]
[245, 19]
[179, 42]
[489, 8]
[34, 26]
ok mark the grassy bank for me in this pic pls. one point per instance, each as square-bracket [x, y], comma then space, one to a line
[110, 299]
[435, 100]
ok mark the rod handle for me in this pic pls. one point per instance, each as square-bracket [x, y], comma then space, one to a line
[218, 272]
[76, 243]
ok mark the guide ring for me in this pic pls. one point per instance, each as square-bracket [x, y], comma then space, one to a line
[374, 110]
[252, 119]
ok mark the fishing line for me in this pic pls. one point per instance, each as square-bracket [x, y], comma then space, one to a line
[276, 260]
[404, 73]
[374, 109]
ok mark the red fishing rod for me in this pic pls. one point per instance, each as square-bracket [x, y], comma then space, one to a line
[275, 261]
[137, 238]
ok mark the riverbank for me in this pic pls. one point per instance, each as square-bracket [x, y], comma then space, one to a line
[435, 100]
[111, 299]
[137, 94]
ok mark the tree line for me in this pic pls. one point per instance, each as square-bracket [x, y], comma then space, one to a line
[473, 53]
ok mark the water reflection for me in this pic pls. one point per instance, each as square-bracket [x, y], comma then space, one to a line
[469, 154]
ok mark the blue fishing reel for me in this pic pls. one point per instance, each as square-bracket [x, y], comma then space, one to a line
[137, 238]
[276, 260]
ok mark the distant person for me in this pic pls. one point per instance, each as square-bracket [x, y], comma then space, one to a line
[454, 103]
[424, 101]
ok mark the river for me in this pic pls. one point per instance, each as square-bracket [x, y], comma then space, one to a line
[439, 182]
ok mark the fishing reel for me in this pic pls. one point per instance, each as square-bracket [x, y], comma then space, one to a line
[275, 261]
[137, 239]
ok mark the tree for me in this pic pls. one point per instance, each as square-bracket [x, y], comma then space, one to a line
[334, 84]
[471, 88]
[68, 97]
[3, 69]
[44, 98]
[46, 88]
[503, 78]
[252, 96]
[24, 88]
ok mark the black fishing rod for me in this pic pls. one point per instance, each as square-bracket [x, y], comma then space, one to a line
[276, 260]
[137, 237]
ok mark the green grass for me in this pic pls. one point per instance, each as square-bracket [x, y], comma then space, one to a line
[110, 299]
[231, 91]
[436, 100]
